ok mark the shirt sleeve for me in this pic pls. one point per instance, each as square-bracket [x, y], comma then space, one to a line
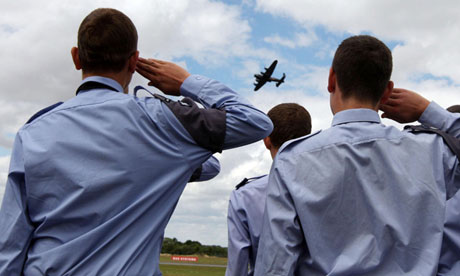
[208, 170]
[239, 241]
[281, 240]
[15, 226]
[438, 117]
[245, 124]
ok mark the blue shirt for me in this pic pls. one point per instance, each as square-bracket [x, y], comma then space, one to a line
[359, 198]
[244, 221]
[449, 263]
[93, 182]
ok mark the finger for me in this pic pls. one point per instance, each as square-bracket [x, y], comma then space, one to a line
[392, 102]
[158, 61]
[147, 63]
[146, 74]
[387, 108]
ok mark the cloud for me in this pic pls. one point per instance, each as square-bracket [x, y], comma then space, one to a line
[304, 39]
[426, 35]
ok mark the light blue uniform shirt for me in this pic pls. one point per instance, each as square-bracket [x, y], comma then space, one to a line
[93, 182]
[244, 221]
[359, 198]
[449, 263]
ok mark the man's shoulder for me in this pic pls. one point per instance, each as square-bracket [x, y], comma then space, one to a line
[298, 142]
[43, 112]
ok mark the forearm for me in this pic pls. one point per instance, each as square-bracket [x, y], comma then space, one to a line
[438, 117]
[244, 123]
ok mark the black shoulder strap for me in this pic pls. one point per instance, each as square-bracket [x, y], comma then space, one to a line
[43, 111]
[206, 126]
[452, 142]
[242, 183]
[247, 180]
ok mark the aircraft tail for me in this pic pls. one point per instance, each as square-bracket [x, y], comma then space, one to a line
[281, 80]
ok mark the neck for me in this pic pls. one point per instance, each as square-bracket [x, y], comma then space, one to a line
[273, 151]
[339, 103]
[119, 77]
[353, 104]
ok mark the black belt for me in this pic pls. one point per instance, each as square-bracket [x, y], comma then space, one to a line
[89, 85]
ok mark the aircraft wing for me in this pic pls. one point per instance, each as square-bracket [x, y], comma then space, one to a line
[259, 83]
[268, 73]
[265, 76]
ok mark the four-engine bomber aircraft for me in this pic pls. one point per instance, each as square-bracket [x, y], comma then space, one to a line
[264, 77]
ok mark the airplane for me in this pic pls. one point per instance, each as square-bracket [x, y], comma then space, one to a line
[264, 77]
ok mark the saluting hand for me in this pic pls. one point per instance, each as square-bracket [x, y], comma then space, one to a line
[404, 106]
[166, 76]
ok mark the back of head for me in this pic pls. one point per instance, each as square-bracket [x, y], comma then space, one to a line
[106, 40]
[454, 109]
[363, 66]
[290, 121]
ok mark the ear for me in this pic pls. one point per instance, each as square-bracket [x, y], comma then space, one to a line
[268, 143]
[133, 62]
[331, 82]
[387, 92]
[75, 58]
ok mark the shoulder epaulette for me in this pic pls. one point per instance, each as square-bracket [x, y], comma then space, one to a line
[295, 140]
[247, 180]
[452, 142]
[43, 111]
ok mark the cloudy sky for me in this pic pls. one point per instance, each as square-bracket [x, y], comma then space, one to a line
[228, 41]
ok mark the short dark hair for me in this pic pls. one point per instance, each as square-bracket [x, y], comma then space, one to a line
[290, 121]
[454, 108]
[106, 40]
[363, 66]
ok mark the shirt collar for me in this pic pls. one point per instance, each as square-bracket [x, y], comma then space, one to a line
[107, 81]
[356, 115]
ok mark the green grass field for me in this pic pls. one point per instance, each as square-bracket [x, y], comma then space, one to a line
[184, 270]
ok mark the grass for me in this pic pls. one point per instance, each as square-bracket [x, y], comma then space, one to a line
[184, 270]
[179, 270]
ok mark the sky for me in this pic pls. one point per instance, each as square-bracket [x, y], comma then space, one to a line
[228, 41]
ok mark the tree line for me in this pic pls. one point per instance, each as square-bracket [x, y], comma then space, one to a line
[173, 246]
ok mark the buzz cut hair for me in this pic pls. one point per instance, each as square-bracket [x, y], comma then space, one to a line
[107, 38]
[363, 66]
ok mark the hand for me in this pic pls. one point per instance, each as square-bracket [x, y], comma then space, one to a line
[166, 76]
[403, 106]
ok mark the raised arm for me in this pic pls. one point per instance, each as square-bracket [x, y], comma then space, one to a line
[405, 106]
[244, 124]
[15, 227]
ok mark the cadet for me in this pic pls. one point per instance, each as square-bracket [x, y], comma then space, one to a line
[247, 202]
[360, 198]
[93, 182]
[449, 263]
